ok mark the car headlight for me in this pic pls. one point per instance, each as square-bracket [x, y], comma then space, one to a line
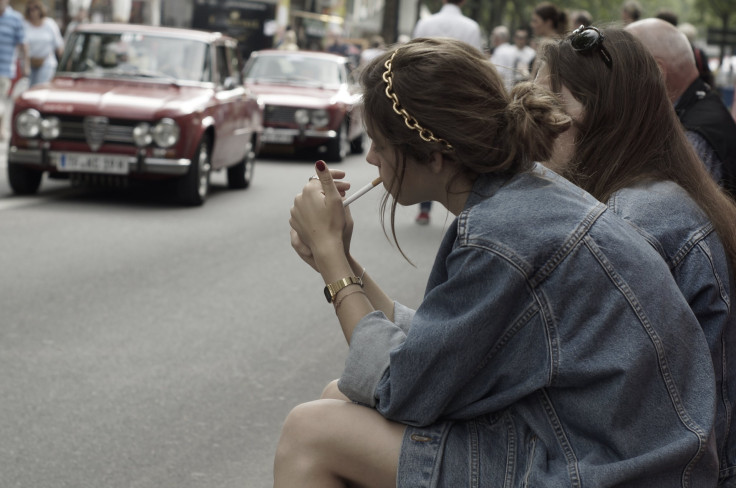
[50, 128]
[142, 134]
[320, 118]
[166, 133]
[28, 123]
[301, 116]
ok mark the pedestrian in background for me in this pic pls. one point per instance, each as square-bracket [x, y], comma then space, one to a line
[289, 43]
[627, 148]
[630, 11]
[12, 47]
[513, 61]
[79, 18]
[448, 22]
[548, 22]
[701, 58]
[45, 43]
[708, 124]
[376, 47]
[552, 346]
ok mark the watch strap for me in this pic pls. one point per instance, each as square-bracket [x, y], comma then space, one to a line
[331, 289]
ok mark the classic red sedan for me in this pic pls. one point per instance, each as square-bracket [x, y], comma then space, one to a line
[138, 102]
[309, 102]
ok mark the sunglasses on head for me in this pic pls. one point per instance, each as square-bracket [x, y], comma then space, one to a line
[587, 39]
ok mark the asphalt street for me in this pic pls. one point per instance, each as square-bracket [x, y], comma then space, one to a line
[146, 345]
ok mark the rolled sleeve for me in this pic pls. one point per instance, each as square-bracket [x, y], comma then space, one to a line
[371, 343]
[403, 316]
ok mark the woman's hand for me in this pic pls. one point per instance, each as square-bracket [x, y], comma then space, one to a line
[318, 220]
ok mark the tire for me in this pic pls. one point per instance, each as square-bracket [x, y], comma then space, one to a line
[357, 145]
[240, 175]
[193, 188]
[24, 181]
[338, 148]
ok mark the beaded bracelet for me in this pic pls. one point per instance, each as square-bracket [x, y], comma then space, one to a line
[339, 301]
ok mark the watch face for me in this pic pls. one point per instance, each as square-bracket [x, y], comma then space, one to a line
[328, 295]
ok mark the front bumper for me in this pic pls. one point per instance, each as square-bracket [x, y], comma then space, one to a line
[44, 159]
[286, 136]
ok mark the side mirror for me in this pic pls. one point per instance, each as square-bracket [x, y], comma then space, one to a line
[230, 83]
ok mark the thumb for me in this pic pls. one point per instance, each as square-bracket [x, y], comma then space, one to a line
[325, 177]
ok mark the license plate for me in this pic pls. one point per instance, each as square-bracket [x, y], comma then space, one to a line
[90, 163]
[277, 138]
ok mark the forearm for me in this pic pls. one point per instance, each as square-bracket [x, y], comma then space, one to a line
[351, 303]
[375, 294]
[25, 62]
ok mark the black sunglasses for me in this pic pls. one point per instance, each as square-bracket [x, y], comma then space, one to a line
[586, 39]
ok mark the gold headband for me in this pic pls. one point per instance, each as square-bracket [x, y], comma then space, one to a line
[410, 121]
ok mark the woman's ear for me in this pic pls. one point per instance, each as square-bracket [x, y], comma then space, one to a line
[436, 162]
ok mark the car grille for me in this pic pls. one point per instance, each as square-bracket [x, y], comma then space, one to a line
[105, 131]
[279, 115]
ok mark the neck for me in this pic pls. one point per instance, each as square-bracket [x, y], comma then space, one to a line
[455, 198]
[677, 89]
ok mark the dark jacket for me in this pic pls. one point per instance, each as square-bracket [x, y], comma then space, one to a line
[701, 110]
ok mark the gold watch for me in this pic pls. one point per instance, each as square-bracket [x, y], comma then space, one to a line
[332, 288]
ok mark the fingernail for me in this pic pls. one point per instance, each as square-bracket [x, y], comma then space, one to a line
[320, 165]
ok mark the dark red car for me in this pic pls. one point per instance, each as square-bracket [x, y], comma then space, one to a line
[138, 102]
[309, 102]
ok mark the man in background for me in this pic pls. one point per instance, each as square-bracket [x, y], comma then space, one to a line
[448, 22]
[513, 60]
[12, 44]
[708, 124]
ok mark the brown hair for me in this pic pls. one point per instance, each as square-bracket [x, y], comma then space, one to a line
[549, 11]
[453, 91]
[35, 3]
[629, 131]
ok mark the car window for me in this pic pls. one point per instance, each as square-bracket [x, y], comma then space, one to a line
[133, 54]
[295, 69]
[222, 65]
[235, 65]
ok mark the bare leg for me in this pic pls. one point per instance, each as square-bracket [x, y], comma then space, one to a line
[333, 443]
[332, 391]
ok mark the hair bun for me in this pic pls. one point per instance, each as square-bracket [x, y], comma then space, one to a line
[535, 119]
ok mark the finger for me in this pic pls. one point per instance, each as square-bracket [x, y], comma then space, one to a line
[325, 178]
[337, 174]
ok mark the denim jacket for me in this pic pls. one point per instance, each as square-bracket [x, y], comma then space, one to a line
[552, 349]
[673, 223]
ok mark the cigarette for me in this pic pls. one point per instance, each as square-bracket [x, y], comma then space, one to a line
[361, 192]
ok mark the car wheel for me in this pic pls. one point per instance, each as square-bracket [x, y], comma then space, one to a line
[24, 181]
[193, 188]
[338, 147]
[240, 175]
[357, 145]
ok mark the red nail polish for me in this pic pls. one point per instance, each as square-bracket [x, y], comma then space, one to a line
[320, 165]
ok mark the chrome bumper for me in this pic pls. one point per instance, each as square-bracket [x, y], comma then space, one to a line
[272, 135]
[136, 164]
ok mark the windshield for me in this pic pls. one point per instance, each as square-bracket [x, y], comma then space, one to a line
[294, 68]
[131, 54]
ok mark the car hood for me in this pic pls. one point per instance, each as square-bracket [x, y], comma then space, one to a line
[127, 99]
[299, 96]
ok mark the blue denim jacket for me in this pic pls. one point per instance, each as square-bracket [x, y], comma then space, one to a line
[552, 349]
[673, 223]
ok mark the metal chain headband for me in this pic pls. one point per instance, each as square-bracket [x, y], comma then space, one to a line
[410, 121]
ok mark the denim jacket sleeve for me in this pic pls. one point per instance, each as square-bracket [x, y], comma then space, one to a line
[461, 355]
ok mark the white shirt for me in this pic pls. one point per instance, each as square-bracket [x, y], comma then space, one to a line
[44, 40]
[512, 63]
[450, 22]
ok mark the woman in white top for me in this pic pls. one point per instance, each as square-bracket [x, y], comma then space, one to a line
[44, 40]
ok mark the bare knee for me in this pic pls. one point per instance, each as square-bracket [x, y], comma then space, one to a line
[333, 392]
[302, 447]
